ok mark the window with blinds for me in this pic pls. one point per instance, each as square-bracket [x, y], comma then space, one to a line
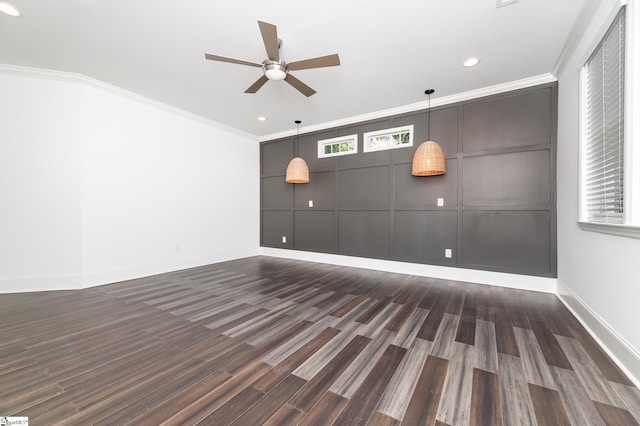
[603, 155]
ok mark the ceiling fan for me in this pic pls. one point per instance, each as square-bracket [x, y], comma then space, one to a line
[274, 68]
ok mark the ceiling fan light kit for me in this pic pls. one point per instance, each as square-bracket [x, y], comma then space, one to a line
[275, 69]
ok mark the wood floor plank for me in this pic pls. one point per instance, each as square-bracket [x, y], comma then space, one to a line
[486, 405]
[506, 342]
[631, 397]
[398, 393]
[422, 408]
[234, 408]
[215, 398]
[326, 411]
[286, 367]
[610, 370]
[467, 326]
[613, 416]
[287, 415]
[579, 406]
[455, 408]
[432, 323]
[380, 419]
[551, 350]
[266, 407]
[517, 408]
[357, 372]
[320, 383]
[548, 406]
[595, 384]
[361, 405]
[536, 369]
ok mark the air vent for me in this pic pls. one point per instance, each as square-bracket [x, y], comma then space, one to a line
[503, 3]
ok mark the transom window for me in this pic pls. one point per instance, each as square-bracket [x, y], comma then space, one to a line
[342, 145]
[398, 137]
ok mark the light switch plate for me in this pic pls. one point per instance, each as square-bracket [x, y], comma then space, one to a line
[448, 253]
[284, 239]
[310, 203]
[440, 202]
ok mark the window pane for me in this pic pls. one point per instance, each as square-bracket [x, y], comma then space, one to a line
[604, 118]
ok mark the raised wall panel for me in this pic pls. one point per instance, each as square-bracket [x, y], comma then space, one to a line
[509, 121]
[320, 190]
[508, 241]
[362, 233]
[276, 193]
[520, 179]
[420, 130]
[364, 189]
[308, 150]
[422, 236]
[275, 157]
[275, 225]
[422, 192]
[315, 231]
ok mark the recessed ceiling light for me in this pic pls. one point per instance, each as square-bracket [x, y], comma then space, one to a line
[9, 10]
[471, 62]
[262, 118]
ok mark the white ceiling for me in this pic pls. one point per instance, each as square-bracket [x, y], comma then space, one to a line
[391, 51]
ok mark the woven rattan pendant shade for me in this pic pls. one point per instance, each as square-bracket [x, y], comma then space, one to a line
[429, 160]
[297, 171]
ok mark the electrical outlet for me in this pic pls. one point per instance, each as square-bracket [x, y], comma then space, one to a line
[448, 253]
[310, 203]
[440, 202]
[284, 239]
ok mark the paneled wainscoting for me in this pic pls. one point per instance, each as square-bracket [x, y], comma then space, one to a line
[272, 341]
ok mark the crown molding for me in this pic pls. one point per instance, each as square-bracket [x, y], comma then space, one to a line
[445, 100]
[70, 77]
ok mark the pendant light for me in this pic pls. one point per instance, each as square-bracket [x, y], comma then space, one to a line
[429, 159]
[297, 170]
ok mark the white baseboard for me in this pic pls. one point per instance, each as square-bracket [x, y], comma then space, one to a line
[26, 284]
[499, 279]
[622, 353]
[95, 278]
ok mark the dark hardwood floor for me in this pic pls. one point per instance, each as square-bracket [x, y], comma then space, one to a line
[272, 341]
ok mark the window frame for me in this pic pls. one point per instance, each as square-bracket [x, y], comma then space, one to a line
[394, 130]
[333, 141]
[631, 163]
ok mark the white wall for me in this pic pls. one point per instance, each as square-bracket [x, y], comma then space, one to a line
[162, 191]
[598, 274]
[39, 183]
[100, 185]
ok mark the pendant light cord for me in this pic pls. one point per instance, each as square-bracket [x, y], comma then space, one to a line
[297, 135]
[428, 92]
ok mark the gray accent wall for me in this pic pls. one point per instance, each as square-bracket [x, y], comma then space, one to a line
[499, 211]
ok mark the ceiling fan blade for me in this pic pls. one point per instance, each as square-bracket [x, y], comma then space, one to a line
[270, 38]
[257, 85]
[319, 62]
[230, 60]
[300, 86]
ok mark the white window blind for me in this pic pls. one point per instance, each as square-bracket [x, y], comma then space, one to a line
[604, 129]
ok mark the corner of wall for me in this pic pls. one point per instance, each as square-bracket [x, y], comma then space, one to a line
[622, 353]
